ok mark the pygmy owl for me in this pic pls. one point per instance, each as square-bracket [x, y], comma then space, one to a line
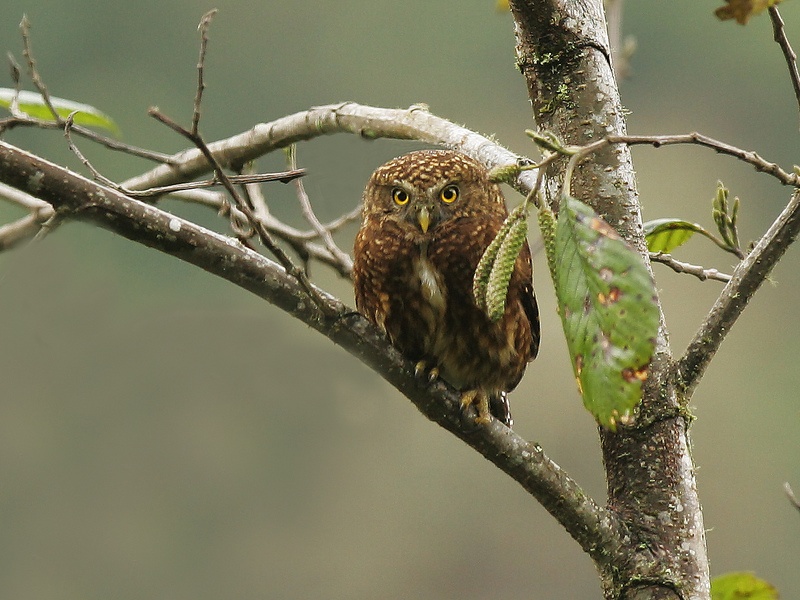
[428, 218]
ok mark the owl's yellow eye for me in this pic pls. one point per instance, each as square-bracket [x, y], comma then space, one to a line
[449, 194]
[400, 196]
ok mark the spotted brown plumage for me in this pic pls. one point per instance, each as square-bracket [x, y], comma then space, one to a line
[428, 217]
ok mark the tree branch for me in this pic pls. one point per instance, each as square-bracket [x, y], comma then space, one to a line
[596, 529]
[747, 278]
[788, 53]
[414, 123]
[563, 52]
[681, 267]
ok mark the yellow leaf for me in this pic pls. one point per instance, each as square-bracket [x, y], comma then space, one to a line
[502, 5]
[742, 10]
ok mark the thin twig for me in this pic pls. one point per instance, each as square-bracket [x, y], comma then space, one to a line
[24, 200]
[761, 165]
[282, 176]
[698, 271]
[76, 151]
[341, 221]
[255, 195]
[792, 498]
[25, 120]
[15, 72]
[788, 53]
[194, 136]
[33, 72]
[205, 23]
[310, 216]
[299, 241]
[256, 178]
[240, 203]
[13, 234]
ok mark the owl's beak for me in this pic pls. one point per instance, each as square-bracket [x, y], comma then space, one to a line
[424, 218]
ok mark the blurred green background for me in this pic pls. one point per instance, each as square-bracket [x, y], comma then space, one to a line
[166, 435]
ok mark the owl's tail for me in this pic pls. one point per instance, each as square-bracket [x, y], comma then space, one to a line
[501, 409]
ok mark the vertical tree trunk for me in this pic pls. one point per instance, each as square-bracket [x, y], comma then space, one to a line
[563, 52]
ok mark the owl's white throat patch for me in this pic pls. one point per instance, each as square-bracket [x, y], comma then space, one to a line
[430, 282]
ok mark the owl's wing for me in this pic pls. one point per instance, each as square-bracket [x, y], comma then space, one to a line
[528, 298]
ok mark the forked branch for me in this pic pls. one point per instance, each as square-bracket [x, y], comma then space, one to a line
[597, 530]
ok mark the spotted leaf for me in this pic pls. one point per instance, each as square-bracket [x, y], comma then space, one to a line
[607, 303]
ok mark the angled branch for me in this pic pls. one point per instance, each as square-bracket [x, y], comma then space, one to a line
[414, 123]
[779, 33]
[310, 216]
[596, 529]
[698, 271]
[747, 278]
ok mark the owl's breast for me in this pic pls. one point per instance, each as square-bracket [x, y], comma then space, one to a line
[430, 282]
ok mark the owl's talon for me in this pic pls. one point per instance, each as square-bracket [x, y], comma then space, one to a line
[423, 375]
[481, 401]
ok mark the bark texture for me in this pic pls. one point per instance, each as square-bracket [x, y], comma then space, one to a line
[564, 54]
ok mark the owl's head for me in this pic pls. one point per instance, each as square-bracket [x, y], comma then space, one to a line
[423, 189]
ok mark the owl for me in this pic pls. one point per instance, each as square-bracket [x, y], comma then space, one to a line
[428, 217]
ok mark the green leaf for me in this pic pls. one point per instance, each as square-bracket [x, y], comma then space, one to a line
[741, 586]
[32, 104]
[606, 298]
[664, 235]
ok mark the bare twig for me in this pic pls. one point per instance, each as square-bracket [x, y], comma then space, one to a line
[255, 178]
[299, 241]
[788, 53]
[25, 120]
[13, 234]
[747, 278]
[242, 205]
[657, 141]
[15, 71]
[698, 271]
[194, 136]
[255, 195]
[310, 216]
[205, 23]
[792, 498]
[21, 198]
[282, 176]
[341, 221]
[76, 151]
[33, 72]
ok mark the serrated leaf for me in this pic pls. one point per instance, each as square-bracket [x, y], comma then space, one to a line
[33, 105]
[742, 10]
[606, 298]
[664, 235]
[741, 586]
